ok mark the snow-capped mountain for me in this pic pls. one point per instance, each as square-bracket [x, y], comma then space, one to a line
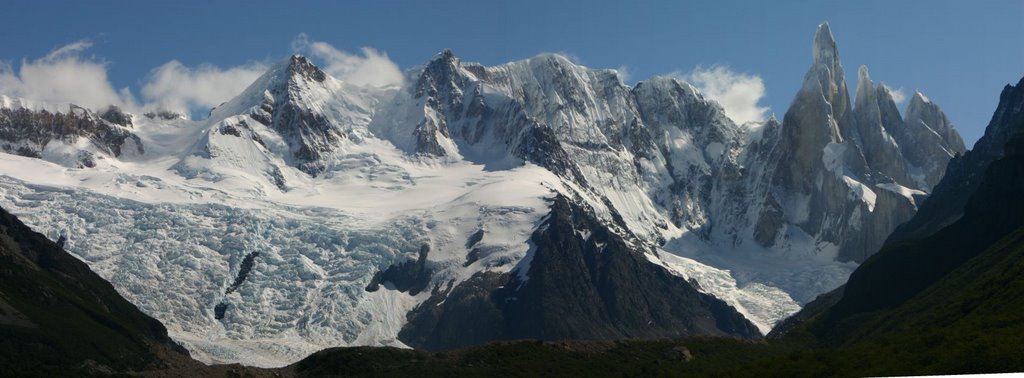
[80, 136]
[538, 198]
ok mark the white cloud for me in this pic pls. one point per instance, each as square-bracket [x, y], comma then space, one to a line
[372, 68]
[737, 93]
[898, 95]
[63, 75]
[624, 73]
[173, 86]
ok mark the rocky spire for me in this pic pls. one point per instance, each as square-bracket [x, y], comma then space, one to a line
[833, 159]
[928, 138]
[865, 89]
[816, 114]
[825, 50]
[875, 113]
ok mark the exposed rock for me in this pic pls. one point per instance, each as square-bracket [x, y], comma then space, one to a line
[877, 117]
[843, 169]
[243, 271]
[220, 310]
[929, 138]
[949, 197]
[571, 288]
[27, 132]
[411, 276]
[165, 115]
[116, 116]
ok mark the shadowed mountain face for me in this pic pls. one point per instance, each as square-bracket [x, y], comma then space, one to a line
[944, 295]
[582, 281]
[56, 315]
[976, 204]
[963, 175]
[903, 269]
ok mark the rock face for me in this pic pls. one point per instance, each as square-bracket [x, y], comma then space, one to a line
[581, 281]
[42, 131]
[947, 202]
[957, 284]
[877, 119]
[973, 209]
[846, 179]
[309, 134]
[929, 139]
[411, 276]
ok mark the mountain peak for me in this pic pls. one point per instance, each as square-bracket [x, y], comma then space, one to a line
[446, 54]
[443, 63]
[863, 74]
[444, 57]
[920, 98]
[300, 65]
[825, 51]
[865, 87]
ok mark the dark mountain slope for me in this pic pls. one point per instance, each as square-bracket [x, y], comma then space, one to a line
[903, 269]
[582, 282]
[948, 303]
[57, 316]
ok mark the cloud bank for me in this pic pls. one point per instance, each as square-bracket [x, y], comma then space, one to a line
[371, 68]
[175, 87]
[63, 75]
[898, 95]
[737, 93]
[66, 75]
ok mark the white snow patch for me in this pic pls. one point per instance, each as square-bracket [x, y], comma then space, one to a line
[763, 305]
[906, 192]
[861, 192]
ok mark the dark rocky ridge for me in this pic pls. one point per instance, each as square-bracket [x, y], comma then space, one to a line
[596, 287]
[70, 316]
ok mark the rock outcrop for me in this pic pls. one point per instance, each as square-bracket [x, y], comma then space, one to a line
[65, 133]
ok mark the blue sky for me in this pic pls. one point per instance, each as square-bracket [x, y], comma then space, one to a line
[960, 54]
